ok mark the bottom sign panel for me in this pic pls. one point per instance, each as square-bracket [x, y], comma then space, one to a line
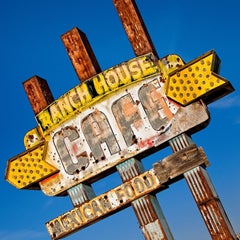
[121, 196]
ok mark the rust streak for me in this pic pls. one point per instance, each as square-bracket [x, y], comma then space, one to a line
[134, 26]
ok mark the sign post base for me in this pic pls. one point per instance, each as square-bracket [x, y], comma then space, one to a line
[147, 208]
[205, 196]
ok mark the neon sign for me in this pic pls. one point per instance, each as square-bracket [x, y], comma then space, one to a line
[110, 118]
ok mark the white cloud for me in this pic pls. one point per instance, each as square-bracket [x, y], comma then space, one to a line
[48, 204]
[232, 103]
[238, 120]
[226, 102]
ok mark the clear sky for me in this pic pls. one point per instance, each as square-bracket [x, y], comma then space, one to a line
[30, 45]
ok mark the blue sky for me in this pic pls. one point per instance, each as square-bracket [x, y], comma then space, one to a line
[30, 45]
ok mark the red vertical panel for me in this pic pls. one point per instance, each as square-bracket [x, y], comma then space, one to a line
[81, 54]
[134, 26]
[38, 93]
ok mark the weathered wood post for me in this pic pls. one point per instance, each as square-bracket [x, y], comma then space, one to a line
[86, 66]
[150, 216]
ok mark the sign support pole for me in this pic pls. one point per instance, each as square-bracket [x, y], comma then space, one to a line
[134, 27]
[205, 196]
[147, 208]
[210, 206]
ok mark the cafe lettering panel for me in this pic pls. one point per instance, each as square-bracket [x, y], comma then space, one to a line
[122, 112]
[126, 121]
[117, 114]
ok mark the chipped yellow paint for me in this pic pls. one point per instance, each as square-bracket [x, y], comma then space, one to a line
[169, 64]
[96, 88]
[183, 83]
[32, 138]
[194, 80]
[29, 167]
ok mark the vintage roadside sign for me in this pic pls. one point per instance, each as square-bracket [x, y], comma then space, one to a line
[118, 114]
[111, 119]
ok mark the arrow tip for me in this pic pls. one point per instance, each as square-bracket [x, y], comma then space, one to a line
[198, 80]
[27, 169]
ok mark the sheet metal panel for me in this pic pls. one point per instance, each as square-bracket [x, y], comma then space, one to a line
[115, 115]
[197, 79]
[89, 145]
[147, 209]
[209, 205]
[80, 194]
[26, 170]
[130, 169]
[96, 89]
[81, 54]
[151, 218]
[120, 197]
[205, 195]
[102, 205]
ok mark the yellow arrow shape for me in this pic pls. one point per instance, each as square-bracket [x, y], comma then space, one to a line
[198, 79]
[29, 168]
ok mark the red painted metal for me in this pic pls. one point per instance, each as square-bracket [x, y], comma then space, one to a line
[81, 54]
[38, 93]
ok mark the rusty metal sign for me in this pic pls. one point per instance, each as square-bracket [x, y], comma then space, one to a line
[119, 113]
